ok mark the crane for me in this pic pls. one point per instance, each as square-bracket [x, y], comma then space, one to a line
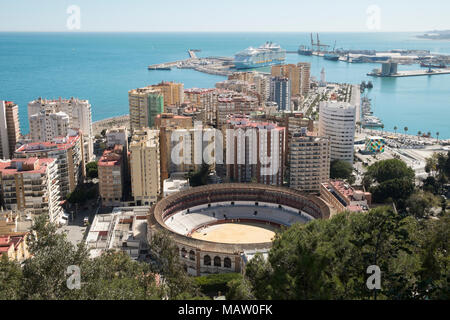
[318, 45]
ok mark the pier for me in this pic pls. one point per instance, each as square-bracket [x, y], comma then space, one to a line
[222, 66]
[410, 73]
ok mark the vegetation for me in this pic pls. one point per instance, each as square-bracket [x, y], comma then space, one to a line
[199, 178]
[92, 170]
[390, 181]
[213, 284]
[113, 275]
[328, 259]
[340, 169]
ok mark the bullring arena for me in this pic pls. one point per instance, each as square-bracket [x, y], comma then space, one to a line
[215, 225]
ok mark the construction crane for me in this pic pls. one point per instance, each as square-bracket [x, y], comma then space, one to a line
[318, 45]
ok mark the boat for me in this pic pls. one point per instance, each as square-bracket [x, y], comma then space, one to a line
[331, 56]
[266, 55]
[429, 65]
[305, 51]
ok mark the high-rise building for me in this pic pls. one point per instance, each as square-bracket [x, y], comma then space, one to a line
[280, 92]
[171, 120]
[31, 186]
[145, 104]
[9, 128]
[47, 125]
[262, 86]
[255, 151]
[145, 166]
[111, 176]
[203, 100]
[290, 71]
[305, 76]
[172, 92]
[309, 161]
[80, 118]
[337, 121]
[69, 154]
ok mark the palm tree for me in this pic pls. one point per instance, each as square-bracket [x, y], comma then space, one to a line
[395, 129]
[382, 127]
[437, 135]
[429, 134]
[406, 130]
[418, 134]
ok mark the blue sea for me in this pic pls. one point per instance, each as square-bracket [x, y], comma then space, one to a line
[102, 67]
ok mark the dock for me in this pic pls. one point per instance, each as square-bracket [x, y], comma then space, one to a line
[222, 66]
[411, 73]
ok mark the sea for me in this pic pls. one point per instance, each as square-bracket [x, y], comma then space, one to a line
[103, 67]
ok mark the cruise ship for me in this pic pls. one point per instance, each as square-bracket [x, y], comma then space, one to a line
[266, 55]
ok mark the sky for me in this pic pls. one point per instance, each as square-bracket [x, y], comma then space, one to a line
[225, 15]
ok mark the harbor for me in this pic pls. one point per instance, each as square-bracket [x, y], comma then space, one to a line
[410, 73]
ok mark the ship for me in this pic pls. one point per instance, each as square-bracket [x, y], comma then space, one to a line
[305, 51]
[430, 65]
[266, 55]
[331, 56]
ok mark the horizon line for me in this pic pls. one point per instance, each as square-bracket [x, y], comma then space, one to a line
[198, 31]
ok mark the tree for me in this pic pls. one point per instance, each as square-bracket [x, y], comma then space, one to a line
[92, 170]
[340, 169]
[420, 204]
[10, 279]
[199, 178]
[385, 170]
[405, 129]
[419, 134]
[437, 136]
[239, 289]
[395, 129]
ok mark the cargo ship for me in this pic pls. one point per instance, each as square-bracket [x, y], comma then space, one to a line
[305, 51]
[266, 55]
[331, 56]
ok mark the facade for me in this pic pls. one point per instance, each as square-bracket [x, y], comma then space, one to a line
[290, 71]
[172, 92]
[305, 76]
[255, 151]
[80, 117]
[125, 229]
[14, 246]
[9, 128]
[145, 104]
[145, 166]
[203, 100]
[47, 125]
[344, 197]
[309, 161]
[117, 136]
[69, 154]
[111, 175]
[375, 145]
[280, 92]
[262, 86]
[337, 121]
[32, 186]
[176, 183]
[171, 120]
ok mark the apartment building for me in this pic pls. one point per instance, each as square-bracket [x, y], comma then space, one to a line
[80, 117]
[9, 128]
[172, 92]
[145, 166]
[337, 121]
[69, 154]
[32, 186]
[145, 104]
[280, 92]
[111, 169]
[309, 161]
[255, 151]
[47, 125]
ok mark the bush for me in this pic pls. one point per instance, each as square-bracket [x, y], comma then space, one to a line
[212, 284]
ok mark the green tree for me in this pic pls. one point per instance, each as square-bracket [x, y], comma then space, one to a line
[199, 178]
[420, 204]
[10, 279]
[340, 169]
[239, 289]
[92, 170]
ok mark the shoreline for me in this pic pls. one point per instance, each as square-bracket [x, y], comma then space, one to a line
[108, 123]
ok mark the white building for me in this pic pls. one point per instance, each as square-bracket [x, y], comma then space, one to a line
[337, 121]
[176, 183]
[47, 125]
[79, 113]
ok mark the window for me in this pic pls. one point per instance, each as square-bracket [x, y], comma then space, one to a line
[183, 253]
[207, 260]
[192, 255]
[217, 262]
[227, 262]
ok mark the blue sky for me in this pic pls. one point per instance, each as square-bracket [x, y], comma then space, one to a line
[226, 15]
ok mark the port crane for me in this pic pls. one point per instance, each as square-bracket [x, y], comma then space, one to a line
[317, 44]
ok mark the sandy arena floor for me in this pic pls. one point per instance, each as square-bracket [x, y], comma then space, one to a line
[237, 233]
